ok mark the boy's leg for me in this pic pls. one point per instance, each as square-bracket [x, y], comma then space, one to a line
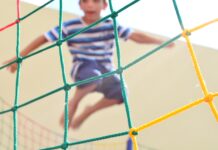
[73, 103]
[103, 103]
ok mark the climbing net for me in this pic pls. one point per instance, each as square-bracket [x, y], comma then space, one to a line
[33, 135]
[133, 131]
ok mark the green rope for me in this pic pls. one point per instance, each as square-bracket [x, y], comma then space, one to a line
[23, 18]
[62, 88]
[137, 60]
[71, 36]
[37, 9]
[66, 87]
[119, 64]
[178, 14]
[87, 141]
[97, 22]
[17, 87]
[63, 76]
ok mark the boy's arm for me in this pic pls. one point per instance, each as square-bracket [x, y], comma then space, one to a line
[34, 45]
[30, 48]
[145, 39]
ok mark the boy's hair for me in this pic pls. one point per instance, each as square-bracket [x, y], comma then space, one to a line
[103, 1]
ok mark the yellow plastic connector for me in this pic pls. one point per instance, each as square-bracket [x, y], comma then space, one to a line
[209, 99]
[132, 133]
[186, 33]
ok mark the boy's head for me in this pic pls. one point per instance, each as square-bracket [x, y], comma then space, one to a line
[92, 8]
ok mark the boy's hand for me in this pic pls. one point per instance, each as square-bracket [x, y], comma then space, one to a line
[13, 67]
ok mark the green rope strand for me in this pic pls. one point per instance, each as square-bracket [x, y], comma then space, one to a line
[30, 55]
[88, 140]
[17, 87]
[23, 18]
[119, 65]
[73, 35]
[6, 65]
[137, 60]
[66, 87]
[63, 76]
[62, 88]
[178, 14]
[37, 9]
[97, 22]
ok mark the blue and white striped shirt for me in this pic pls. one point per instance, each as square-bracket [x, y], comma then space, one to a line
[97, 43]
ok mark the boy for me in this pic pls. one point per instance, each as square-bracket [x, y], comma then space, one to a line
[92, 56]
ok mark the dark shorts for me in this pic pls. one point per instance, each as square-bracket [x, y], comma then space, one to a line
[109, 86]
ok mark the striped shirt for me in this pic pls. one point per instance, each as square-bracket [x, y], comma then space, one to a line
[96, 43]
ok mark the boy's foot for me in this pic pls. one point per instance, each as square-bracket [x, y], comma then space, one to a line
[77, 122]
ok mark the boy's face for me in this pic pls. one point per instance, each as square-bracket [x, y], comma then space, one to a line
[92, 8]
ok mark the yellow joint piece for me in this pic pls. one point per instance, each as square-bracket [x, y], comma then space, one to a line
[209, 97]
[133, 132]
[186, 33]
